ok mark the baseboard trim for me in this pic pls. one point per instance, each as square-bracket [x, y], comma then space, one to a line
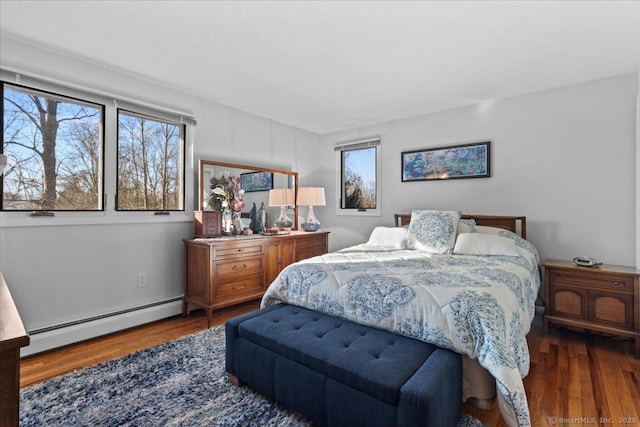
[46, 339]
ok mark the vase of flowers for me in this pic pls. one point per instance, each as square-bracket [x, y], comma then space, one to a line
[227, 226]
[226, 196]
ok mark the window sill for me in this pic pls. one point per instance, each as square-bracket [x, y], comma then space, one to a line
[355, 212]
[23, 219]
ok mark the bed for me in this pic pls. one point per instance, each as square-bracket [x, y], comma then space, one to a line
[463, 282]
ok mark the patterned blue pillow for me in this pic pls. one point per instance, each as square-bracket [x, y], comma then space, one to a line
[433, 231]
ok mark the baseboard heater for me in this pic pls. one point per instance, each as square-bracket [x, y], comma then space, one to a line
[62, 334]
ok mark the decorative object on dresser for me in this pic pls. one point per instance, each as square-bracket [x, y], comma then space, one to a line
[224, 271]
[311, 196]
[604, 299]
[282, 197]
[208, 223]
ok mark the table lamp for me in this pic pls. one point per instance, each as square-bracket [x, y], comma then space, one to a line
[282, 197]
[311, 196]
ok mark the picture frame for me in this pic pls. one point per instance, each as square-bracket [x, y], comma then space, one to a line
[460, 161]
[256, 181]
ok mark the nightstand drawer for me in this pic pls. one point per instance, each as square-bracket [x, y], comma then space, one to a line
[610, 282]
[240, 266]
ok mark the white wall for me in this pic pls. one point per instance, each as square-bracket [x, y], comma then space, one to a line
[60, 274]
[565, 158]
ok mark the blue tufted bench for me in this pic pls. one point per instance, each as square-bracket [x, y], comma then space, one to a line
[338, 373]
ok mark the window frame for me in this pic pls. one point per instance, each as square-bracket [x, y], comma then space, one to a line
[339, 149]
[182, 160]
[62, 97]
[108, 215]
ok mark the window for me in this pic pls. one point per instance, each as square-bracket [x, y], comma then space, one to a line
[359, 191]
[55, 144]
[150, 163]
[72, 150]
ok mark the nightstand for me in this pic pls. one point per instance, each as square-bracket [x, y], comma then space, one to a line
[604, 299]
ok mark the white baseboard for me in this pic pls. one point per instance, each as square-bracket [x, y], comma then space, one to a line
[49, 340]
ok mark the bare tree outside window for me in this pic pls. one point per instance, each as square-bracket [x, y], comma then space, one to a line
[359, 178]
[150, 163]
[55, 144]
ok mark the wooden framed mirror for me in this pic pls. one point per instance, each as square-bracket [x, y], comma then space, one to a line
[280, 178]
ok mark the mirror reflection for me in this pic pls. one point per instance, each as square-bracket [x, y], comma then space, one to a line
[256, 182]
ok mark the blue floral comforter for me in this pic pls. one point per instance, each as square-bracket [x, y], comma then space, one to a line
[479, 306]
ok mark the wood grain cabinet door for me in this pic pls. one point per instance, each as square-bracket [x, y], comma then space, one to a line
[279, 254]
[568, 302]
[611, 308]
[311, 245]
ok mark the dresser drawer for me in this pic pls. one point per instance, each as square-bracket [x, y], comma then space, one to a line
[238, 250]
[241, 285]
[610, 282]
[237, 266]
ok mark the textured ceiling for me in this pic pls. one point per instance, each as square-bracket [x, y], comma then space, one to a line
[328, 66]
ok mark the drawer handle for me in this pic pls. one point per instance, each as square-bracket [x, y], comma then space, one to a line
[235, 266]
[239, 286]
[240, 250]
[562, 276]
[618, 283]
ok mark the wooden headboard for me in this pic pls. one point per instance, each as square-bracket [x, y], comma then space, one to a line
[507, 222]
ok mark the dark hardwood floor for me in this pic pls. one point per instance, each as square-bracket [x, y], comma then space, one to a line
[575, 379]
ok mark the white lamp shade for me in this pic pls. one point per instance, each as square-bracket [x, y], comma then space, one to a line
[281, 197]
[311, 196]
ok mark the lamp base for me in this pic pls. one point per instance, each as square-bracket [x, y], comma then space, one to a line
[283, 224]
[310, 226]
[311, 223]
[283, 221]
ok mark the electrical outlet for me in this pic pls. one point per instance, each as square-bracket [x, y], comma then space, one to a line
[143, 280]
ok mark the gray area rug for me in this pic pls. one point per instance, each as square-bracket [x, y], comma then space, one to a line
[179, 383]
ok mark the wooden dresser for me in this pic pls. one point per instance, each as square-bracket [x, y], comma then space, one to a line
[224, 271]
[12, 337]
[604, 299]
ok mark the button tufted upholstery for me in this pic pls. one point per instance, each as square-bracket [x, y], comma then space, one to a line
[370, 360]
[325, 367]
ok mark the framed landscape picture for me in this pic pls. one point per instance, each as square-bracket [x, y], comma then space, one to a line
[256, 181]
[450, 162]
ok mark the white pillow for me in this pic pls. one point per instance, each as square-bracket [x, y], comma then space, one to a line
[433, 231]
[391, 237]
[484, 244]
